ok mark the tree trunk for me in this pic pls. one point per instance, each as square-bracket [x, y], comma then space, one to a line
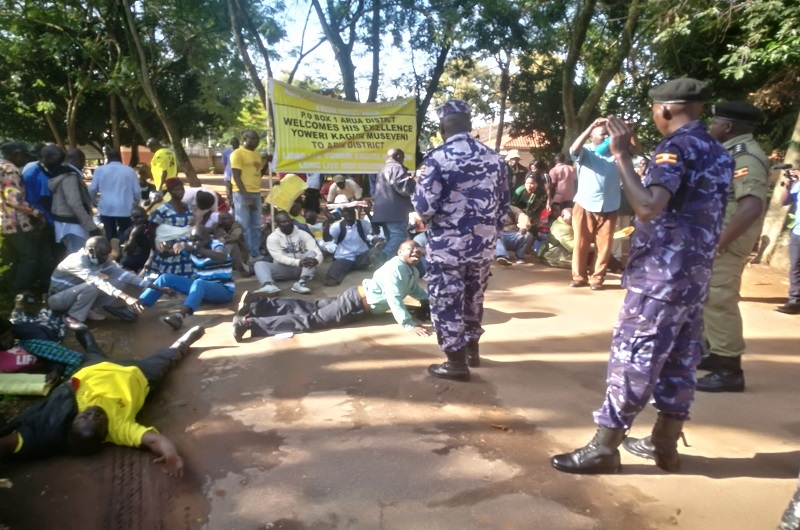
[375, 37]
[436, 76]
[341, 50]
[775, 219]
[244, 54]
[72, 116]
[576, 121]
[133, 116]
[114, 118]
[51, 123]
[505, 81]
[150, 92]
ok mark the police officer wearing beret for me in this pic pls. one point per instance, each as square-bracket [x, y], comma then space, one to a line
[462, 196]
[733, 125]
[655, 347]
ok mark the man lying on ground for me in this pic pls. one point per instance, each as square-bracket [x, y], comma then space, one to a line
[385, 291]
[98, 404]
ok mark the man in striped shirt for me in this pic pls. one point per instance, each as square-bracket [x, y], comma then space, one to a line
[211, 281]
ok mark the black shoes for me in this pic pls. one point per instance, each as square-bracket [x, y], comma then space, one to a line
[661, 445]
[601, 455]
[724, 380]
[240, 326]
[455, 370]
[122, 313]
[788, 308]
[726, 374]
[473, 354]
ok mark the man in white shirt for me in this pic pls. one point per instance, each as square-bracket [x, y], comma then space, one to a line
[344, 186]
[295, 256]
[119, 191]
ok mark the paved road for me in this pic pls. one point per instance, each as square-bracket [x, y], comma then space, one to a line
[342, 429]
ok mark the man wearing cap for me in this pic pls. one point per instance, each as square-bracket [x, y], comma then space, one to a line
[17, 218]
[655, 347]
[246, 170]
[723, 335]
[392, 198]
[462, 196]
[344, 186]
[516, 171]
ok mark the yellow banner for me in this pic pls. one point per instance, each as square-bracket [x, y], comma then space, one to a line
[317, 134]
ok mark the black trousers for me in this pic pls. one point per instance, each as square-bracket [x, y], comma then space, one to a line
[154, 367]
[270, 316]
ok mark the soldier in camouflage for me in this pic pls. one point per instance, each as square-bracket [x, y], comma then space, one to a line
[656, 342]
[462, 196]
[723, 335]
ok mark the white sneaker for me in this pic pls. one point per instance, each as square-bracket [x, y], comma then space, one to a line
[268, 289]
[300, 287]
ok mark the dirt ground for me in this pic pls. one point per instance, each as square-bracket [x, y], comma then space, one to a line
[343, 428]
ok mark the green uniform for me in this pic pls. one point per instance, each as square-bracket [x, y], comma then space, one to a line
[722, 319]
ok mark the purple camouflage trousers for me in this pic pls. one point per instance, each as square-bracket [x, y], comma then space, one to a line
[456, 297]
[654, 351]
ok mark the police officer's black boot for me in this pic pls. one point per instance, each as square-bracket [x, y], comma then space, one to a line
[601, 455]
[473, 354]
[454, 368]
[729, 377]
[661, 445]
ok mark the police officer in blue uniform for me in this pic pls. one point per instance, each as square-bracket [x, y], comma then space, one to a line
[655, 348]
[462, 196]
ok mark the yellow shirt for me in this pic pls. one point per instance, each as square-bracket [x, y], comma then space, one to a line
[163, 160]
[249, 162]
[118, 390]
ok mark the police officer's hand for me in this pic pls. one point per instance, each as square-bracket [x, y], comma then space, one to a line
[621, 134]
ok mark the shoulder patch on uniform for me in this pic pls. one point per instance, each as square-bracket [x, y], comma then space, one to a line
[739, 173]
[666, 158]
[739, 149]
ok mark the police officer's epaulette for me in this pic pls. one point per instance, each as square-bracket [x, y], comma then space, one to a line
[741, 149]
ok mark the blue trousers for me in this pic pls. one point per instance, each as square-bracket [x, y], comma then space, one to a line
[513, 241]
[396, 233]
[456, 296]
[250, 220]
[655, 350]
[196, 291]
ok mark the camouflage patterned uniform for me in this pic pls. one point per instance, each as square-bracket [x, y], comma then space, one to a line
[462, 196]
[656, 341]
[723, 331]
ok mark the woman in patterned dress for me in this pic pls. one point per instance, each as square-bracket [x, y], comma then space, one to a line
[170, 223]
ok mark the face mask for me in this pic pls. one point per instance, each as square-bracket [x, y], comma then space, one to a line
[287, 229]
[603, 148]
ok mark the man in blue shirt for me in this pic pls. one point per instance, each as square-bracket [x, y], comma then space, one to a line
[789, 195]
[655, 347]
[385, 291]
[597, 201]
[119, 191]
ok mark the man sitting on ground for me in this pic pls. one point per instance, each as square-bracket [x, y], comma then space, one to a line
[355, 245]
[87, 278]
[136, 247]
[295, 256]
[231, 233]
[211, 281]
[516, 236]
[98, 404]
[385, 291]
